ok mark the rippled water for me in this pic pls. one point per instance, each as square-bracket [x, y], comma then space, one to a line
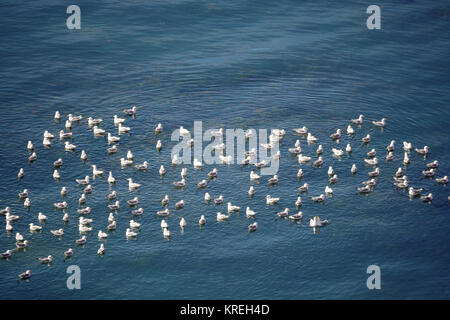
[256, 64]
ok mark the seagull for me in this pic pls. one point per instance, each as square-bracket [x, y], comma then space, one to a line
[102, 235]
[381, 123]
[302, 159]
[19, 237]
[443, 180]
[311, 138]
[249, 213]
[298, 202]
[162, 171]
[414, 192]
[303, 188]
[316, 222]
[58, 163]
[303, 130]
[318, 162]
[123, 129]
[112, 195]
[320, 198]
[21, 174]
[296, 216]
[159, 128]
[56, 174]
[371, 153]
[125, 162]
[300, 173]
[330, 171]
[296, 150]
[42, 217]
[406, 159]
[30, 146]
[336, 135]
[95, 171]
[350, 130]
[73, 118]
[84, 229]
[63, 135]
[84, 221]
[69, 147]
[423, 151]
[348, 148]
[88, 189]
[358, 121]
[175, 160]
[364, 189]
[23, 194]
[202, 183]
[58, 233]
[165, 201]
[112, 150]
[163, 213]
[142, 166]
[433, 165]
[253, 227]
[46, 142]
[337, 152]
[182, 223]
[133, 201]
[134, 224]
[65, 217]
[130, 112]
[57, 115]
[114, 206]
[112, 139]
[25, 275]
[98, 131]
[374, 173]
[273, 180]
[158, 145]
[254, 176]
[407, 146]
[183, 173]
[207, 197]
[82, 240]
[132, 185]
[328, 190]
[101, 250]
[428, 173]
[180, 184]
[390, 156]
[179, 204]
[222, 217]
[118, 120]
[283, 213]
[33, 157]
[231, 208]
[46, 260]
[371, 162]
[391, 146]
[5, 254]
[427, 198]
[82, 199]
[319, 150]
[68, 253]
[202, 220]
[84, 181]
[22, 245]
[166, 233]
[183, 131]
[111, 226]
[366, 139]
[399, 173]
[68, 124]
[213, 173]
[9, 217]
[130, 234]
[111, 179]
[34, 227]
[270, 200]
[5, 210]
[27, 203]
[371, 183]
[93, 122]
[86, 210]
[164, 224]
[218, 200]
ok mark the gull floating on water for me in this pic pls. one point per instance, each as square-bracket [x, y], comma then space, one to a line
[118, 120]
[316, 222]
[358, 121]
[381, 123]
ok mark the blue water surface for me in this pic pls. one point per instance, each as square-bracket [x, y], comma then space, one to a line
[230, 64]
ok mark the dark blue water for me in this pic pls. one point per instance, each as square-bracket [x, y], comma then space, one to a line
[259, 64]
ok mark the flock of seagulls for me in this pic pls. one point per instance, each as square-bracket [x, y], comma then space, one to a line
[400, 180]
